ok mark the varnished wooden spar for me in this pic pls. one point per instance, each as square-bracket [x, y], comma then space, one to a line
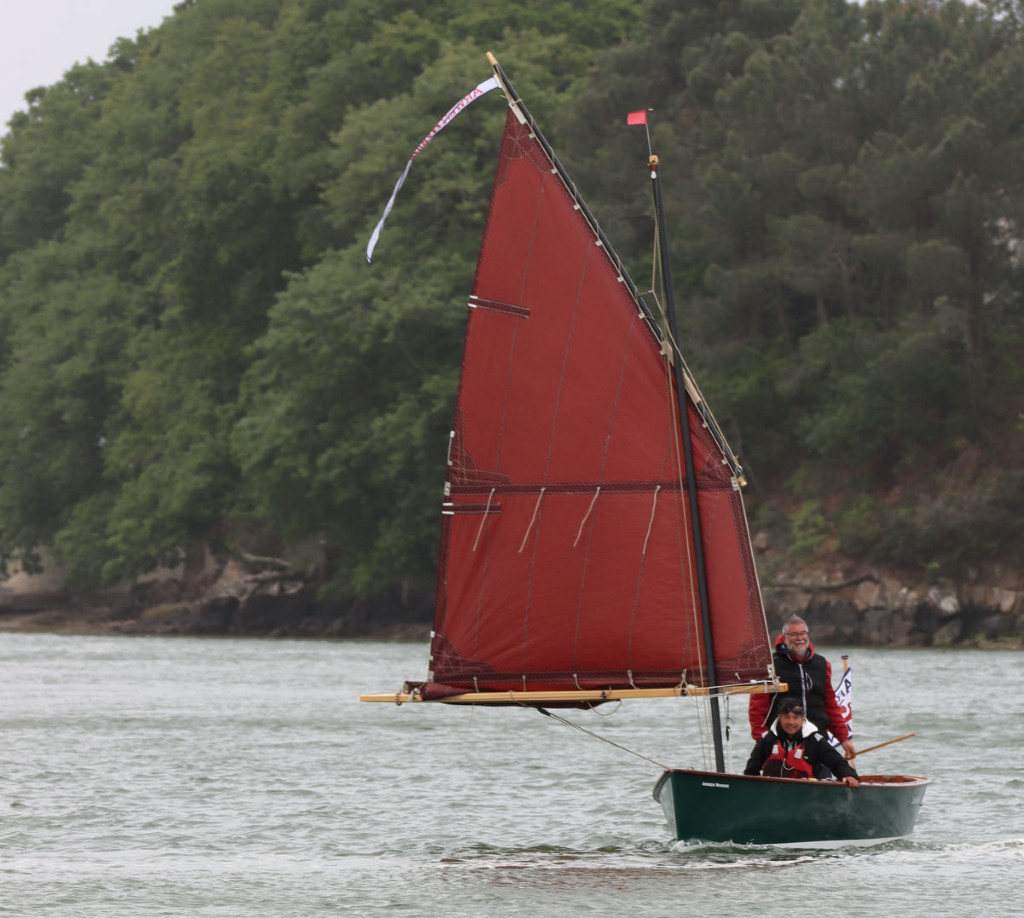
[582, 695]
[899, 739]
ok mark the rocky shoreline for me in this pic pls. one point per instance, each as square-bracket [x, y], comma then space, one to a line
[295, 615]
[865, 609]
[880, 610]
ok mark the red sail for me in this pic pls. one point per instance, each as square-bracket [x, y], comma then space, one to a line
[567, 554]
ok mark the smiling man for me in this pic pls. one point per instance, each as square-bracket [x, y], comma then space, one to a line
[792, 748]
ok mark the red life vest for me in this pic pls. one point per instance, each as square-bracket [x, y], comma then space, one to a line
[787, 763]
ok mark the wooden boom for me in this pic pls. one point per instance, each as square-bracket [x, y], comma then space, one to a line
[582, 695]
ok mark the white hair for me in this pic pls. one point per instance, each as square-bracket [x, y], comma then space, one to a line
[793, 620]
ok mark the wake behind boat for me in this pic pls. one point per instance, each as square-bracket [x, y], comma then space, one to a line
[594, 543]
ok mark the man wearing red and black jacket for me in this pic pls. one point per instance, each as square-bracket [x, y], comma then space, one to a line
[809, 676]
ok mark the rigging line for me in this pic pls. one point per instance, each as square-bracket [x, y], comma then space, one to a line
[703, 409]
[587, 516]
[533, 519]
[704, 728]
[597, 736]
[674, 352]
[688, 560]
[650, 524]
[655, 272]
[483, 519]
[728, 734]
[612, 712]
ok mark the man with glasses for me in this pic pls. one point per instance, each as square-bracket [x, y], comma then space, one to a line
[809, 676]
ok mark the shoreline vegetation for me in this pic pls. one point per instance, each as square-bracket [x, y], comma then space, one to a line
[265, 597]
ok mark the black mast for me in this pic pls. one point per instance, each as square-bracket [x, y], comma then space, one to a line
[691, 481]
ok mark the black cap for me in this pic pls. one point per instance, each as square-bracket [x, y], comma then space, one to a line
[791, 705]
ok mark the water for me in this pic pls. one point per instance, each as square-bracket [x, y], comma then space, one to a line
[192, 777]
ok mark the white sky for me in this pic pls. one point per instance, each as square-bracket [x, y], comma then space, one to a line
[41, 39]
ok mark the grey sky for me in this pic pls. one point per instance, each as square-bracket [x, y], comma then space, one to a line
[41, 39]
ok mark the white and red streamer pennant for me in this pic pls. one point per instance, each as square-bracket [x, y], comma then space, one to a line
[484, 87]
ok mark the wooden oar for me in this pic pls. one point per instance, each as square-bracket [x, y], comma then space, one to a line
[886, 743]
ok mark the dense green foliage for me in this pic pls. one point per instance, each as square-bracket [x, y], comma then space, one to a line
[847, 234]
[194, 353]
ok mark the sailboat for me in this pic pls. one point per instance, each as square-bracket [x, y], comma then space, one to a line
[594, 544]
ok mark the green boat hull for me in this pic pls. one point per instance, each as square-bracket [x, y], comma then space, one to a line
[706, 806]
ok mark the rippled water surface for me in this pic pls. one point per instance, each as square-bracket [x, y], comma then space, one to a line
[188, 777]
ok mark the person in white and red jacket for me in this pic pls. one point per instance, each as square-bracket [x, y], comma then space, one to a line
[809, 676]
[792, 748]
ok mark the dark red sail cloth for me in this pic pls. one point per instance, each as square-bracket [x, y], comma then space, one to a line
[567, 551]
